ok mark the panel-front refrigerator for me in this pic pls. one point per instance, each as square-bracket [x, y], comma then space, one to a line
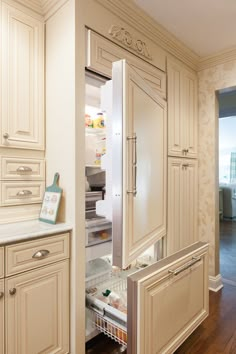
[147, 305]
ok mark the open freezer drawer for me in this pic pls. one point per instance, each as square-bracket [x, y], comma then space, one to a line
[165, 303]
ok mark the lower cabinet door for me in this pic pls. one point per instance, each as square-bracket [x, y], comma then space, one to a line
[167, 301]
[2, 317]
[37, 311]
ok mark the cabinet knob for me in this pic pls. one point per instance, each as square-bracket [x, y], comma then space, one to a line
[12, 291]
[1, 294]
[6, 135]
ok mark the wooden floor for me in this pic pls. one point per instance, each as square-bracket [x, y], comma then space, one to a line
[217, 334]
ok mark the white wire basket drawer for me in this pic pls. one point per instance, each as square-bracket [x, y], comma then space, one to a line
[106, 318]
[111, 328]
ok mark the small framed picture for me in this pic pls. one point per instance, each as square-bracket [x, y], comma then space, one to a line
[51, 202]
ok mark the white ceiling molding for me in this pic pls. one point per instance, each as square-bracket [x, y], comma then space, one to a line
[133, 15]
[45, 8]
[50, 7]
[217, 59]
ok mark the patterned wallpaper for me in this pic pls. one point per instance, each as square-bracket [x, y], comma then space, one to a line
[211, 80]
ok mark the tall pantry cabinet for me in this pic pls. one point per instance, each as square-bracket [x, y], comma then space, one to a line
[22, 176]
[182, 156]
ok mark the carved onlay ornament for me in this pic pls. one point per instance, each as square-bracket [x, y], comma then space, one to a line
[123, 36]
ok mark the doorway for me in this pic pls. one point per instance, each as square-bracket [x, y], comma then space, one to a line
[227, 185]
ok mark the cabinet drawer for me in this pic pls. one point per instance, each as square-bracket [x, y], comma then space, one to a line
[36, 253]
[1, 262]
[101, 53]
[22, 192]
[22, 169]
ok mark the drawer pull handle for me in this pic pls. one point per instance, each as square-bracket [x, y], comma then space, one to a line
[24, 193]
[12, 291]
[41, 254]
[1, 294]
[22, 169]
[185, 266]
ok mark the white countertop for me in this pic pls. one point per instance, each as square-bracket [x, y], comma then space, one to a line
[26, 230]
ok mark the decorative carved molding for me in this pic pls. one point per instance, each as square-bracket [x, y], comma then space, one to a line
[123, 36]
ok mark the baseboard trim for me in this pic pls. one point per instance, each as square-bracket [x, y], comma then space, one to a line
[215, 283]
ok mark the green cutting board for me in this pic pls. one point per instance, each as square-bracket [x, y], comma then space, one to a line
[51, 202]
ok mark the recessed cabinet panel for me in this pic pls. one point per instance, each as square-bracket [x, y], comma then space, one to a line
[1, 262]
[175, 116]
[37, 312]
[190, 95]
[182, 110]
[167, 301]
[101, 53]
[22, 169]
[22, 80]
[139, 165]
[2, 294]
[16, 193]
[182, 203]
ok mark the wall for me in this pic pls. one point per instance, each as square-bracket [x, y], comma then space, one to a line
[210, 80]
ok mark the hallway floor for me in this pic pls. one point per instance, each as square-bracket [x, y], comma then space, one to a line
[217, 334]
[228, 251]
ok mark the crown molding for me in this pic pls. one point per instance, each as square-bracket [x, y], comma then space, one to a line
[142, 22]
[45, 8]
[217, 59]
[50, 7]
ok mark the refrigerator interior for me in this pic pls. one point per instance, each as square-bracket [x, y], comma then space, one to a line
[98, 229]
[105, 313]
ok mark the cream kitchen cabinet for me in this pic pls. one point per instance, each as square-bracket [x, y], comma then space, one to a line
[36, 296]
[1, 300]
[22, 60]
[182, 203]
[101, 53]
[182, 90]
[2, 317]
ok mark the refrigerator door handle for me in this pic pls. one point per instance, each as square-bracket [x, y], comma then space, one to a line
[185, 266]
[133, 140]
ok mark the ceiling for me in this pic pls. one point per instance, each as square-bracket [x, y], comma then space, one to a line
[205, 26]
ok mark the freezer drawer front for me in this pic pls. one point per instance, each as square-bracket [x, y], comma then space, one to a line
[167, 301]
[139, 165]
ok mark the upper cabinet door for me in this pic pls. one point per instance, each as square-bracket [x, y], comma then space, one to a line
[22, 80]
[139, 160]
[182, 110]
[167, 301]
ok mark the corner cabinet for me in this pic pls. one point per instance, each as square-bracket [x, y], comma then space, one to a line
[36, 297]
[22, 97]
[182, 203]
[182, 110]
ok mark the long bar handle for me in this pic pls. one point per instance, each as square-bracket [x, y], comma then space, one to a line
[185, 266]
[133, 139]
